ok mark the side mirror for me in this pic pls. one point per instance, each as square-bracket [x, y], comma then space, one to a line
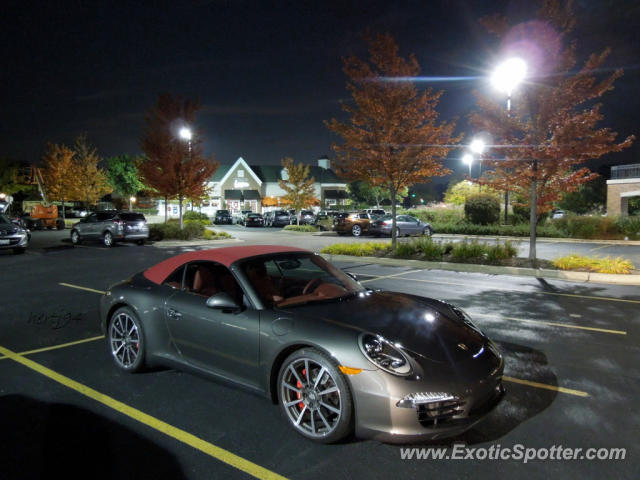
[222, 301]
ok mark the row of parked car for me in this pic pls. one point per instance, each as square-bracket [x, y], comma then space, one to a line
[373, 221]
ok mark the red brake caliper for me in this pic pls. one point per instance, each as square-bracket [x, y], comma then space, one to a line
[299, 385]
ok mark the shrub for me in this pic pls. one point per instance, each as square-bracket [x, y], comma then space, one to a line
[366, 249]
[171, 231]
[300, 228]
[213, 235]
[498, 252]
[436, 215]
[192, 215]
[594, 264]
[465, 251]
[405, 250]
[430, 250]
[629, 226]
[482, 208]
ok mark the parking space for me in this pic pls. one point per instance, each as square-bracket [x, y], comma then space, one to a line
[571, 368]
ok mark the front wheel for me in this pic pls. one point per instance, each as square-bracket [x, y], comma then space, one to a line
[356, 230]
[75, 237]
[126, 340]
[107, 239]
[314, 396]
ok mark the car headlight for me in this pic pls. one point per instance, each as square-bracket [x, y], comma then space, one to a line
[383, 354]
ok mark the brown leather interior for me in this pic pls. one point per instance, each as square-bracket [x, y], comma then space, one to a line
[324, 290]
[203, 282]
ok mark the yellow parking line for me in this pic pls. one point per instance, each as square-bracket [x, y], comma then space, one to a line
[600, 247]
[553, 324]
[62, 345]
[214, 451]
[578, 393]
[389, 276]
[101, 292]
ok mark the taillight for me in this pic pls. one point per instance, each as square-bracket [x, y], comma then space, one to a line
[386, 224]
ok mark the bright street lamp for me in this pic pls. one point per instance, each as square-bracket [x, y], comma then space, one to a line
[477, 146]
[132, 200]
[185, 133]
[508, 75]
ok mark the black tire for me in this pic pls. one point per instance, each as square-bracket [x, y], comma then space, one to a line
[427, 231]
[76, 239]
[140, 242]
[60, 224]
[356, 230]
[126, 340]
[19, 250]
[107, 239]
[333, 426]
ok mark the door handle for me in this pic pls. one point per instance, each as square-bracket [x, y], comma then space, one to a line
[173, 313]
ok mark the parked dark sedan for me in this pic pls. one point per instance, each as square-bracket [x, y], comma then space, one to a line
[287, 324]
[405, 225]
[222, 217]
[253, 220]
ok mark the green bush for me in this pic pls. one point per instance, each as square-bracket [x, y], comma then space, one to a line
[171, 231]
[366, 249]
[213, 235]
[465, 251]
[436, 215]
[482, 208]
[629, 226]
[301, 228]
[193, 215]
[405, 250]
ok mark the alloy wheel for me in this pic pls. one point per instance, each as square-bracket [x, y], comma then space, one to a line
[311, 398]
[356, 230]
[108, 239]
[125, 341]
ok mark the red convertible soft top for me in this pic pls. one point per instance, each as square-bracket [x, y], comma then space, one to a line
[225, 256]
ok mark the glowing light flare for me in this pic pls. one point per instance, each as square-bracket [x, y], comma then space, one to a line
[185, 133]
[477, 145]
[509, 74]
[467, 159]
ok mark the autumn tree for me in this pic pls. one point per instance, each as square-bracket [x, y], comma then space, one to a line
[552, 128]
[175, 167]
[393, 137]
[364, 192]
[299, 187]
[124, 176]
[91, 181]
[59, 174]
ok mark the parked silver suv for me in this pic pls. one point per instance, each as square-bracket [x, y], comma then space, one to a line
[111, 226]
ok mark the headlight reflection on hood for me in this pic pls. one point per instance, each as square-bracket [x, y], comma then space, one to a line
[383, 354]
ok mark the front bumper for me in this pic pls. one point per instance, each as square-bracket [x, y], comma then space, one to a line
[18, 240]
[382, 415]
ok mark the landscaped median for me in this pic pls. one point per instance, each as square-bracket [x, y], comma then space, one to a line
[192, 230]
[496, 258]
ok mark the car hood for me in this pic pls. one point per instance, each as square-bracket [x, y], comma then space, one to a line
[429, 328]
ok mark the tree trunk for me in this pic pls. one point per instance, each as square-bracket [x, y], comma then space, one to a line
[393, 191]
[506, 207]
[533, 216]
[63, 217]
[180, 210]
[166, 208]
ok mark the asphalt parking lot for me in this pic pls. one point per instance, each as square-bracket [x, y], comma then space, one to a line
[572, 374]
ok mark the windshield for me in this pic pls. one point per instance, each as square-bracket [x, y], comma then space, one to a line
[295, 279]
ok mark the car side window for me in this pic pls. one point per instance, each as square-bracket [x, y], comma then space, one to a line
[209, 278]
[363, 216]
[91, 218]
[175, 279]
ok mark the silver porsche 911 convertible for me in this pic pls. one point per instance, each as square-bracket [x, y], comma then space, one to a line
[337, 357]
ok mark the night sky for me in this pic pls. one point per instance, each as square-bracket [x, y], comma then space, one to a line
[267, 73]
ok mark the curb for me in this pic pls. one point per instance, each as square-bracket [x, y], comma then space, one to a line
[586, 277]
[194, 243]
[445, 236]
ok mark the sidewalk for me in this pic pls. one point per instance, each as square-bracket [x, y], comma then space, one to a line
[494, 270]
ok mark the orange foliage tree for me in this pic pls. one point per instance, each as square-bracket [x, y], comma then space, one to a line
[541, 143]
[175, 167]
[299, 187]
[59, 174]
[393, 137]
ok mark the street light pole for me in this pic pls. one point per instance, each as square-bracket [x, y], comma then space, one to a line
[185, 134]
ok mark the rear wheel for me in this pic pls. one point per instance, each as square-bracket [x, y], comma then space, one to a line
[126, 340]
[427, 231]
[397, 232]
[107, 239]
[315, 397]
